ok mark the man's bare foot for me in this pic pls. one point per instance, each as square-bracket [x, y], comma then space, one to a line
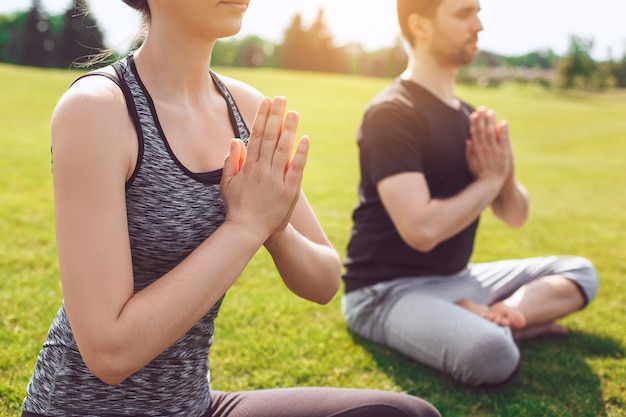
[498, 313]
[546, 329]
[478, 309]
[515, 317]
[504, 315]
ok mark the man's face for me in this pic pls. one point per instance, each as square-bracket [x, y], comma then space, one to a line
[455, 27]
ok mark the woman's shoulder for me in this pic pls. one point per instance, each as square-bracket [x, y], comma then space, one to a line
[92, 95]
[239, 87]
[92, 114]
[246, 96]
[97, 86]
[92, 89]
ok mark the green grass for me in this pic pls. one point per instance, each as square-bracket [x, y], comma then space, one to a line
[569, 153]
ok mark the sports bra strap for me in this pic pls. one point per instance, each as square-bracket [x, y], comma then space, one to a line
[114, 78]
[118, 80]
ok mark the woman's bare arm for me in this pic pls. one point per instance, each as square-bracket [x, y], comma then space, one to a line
[94, 149]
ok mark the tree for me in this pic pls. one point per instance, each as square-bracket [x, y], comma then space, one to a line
[37, 44]
[323, 56]
[251, 51]
[618, 70]
[11, 30]
[80, 36]
[225, 53]
[254, 52]
[310, 49]
[293, 53]
[36, 39]
[577, 68]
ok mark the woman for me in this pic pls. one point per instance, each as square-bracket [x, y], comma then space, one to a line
[154, 226]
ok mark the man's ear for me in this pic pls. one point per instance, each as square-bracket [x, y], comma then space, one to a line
[419, 26]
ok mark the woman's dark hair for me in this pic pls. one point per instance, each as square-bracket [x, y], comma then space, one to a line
[141, 6]
[406, 8]
[107, 56]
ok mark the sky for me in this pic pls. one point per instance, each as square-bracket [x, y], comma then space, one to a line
[511, 27]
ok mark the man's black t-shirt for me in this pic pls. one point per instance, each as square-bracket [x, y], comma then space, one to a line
[407, 129]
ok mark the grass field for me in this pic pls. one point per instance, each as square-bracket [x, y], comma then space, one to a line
[570, 153]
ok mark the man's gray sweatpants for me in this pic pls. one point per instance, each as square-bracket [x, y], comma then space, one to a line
[418, 317]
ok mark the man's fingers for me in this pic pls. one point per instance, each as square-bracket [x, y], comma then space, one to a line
[490, 133]
[503, 132]
[478, 125]
[484, 127]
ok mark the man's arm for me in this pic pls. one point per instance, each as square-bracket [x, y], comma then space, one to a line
[512, 204]
[424, 222]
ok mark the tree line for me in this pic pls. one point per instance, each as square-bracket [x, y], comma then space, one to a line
[72, 39]
[36, 39]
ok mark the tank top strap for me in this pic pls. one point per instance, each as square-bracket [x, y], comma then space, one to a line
[119, 81]
[235, 115]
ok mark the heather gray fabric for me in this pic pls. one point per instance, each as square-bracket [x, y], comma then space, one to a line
[418, 317]
[170, 212]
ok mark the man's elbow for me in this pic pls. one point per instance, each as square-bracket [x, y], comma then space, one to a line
[517, 220]
[421, 240]
[517, 223]
[425, 246]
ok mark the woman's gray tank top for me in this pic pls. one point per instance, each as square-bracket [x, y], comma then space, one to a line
[171, 211]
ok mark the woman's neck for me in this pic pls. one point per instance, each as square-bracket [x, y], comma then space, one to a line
[174, 68]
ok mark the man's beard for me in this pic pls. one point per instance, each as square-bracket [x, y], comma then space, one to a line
[459, 57]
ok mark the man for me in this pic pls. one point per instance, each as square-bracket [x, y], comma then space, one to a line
[430, 165]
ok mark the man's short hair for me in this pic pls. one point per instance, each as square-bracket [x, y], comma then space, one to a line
[406, 8]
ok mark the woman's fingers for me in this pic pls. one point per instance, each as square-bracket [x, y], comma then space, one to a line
[272, 137]
[271, 142]
[234, 160]
[264, 190]
[281, 158]
[258, 129]
[293, 178]
[295, 170]
[272, 130]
